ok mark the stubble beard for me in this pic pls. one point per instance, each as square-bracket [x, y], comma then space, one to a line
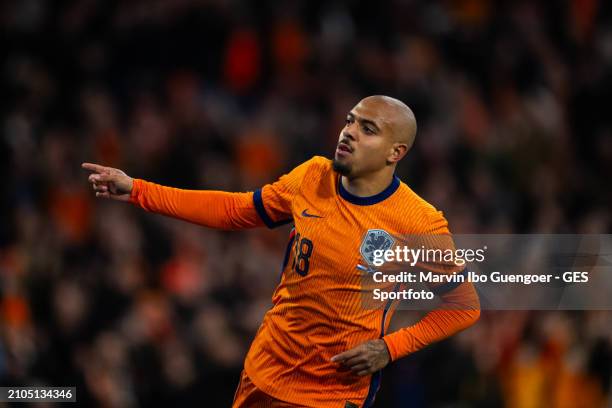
[342, 168]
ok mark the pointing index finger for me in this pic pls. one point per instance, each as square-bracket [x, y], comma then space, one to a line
[94, 167]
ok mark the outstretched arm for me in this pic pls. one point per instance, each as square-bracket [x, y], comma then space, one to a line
[214, 209]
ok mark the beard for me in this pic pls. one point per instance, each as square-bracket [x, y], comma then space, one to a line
[342, 168]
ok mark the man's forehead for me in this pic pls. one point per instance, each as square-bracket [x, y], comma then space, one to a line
[390, 113]
[374, 111]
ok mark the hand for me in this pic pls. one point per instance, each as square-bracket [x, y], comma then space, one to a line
[109, 182]
[365, 359]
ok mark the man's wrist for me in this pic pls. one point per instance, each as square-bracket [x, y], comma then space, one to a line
[135, 190]
[385, 349]
[390, 347]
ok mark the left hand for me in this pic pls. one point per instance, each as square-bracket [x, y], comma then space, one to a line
[365, 359]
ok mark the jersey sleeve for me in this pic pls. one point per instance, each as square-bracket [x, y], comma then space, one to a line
[273, 202]
[271, 205]
[460, 307]
[459, 310]
[213, 209]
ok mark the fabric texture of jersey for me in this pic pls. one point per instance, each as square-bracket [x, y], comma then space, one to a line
[249, 396]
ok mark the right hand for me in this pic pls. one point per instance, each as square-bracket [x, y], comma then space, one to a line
[110, 183]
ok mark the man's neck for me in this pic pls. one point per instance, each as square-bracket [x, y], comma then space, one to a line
[367, 186]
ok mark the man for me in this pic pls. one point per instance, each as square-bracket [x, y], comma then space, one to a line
[318, 346]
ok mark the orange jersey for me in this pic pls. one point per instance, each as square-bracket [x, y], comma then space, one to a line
[317, 307]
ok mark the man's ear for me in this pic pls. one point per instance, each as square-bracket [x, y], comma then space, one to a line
[398, 151]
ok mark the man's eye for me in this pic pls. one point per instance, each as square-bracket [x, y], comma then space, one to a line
[368, 130]
[348, 121]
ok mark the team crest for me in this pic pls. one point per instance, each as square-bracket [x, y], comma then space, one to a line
[375, 239]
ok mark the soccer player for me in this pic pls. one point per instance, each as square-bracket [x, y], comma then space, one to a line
[318, 346]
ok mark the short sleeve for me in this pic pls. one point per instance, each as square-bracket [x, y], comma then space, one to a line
[273, 202]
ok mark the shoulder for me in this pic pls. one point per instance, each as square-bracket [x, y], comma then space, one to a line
[428, 218]
[308, 173]
[316, 166]
[319, 163]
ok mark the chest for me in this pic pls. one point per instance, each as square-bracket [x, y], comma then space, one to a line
[333, 237]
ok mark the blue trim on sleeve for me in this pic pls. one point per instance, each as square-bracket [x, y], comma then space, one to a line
[376, 198]
[261, 211]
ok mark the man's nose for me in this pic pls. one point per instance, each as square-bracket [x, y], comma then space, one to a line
[348, 135]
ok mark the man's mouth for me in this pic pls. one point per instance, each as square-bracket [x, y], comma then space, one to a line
[345, 148]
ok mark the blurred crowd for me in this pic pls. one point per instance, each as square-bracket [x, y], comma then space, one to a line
[139, 310]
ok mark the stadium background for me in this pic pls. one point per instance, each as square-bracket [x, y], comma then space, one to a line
[139, 310]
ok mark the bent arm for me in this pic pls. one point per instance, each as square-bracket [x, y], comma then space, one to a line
[213, 209]
[459, 310]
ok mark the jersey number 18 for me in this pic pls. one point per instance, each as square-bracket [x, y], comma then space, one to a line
[302, 250]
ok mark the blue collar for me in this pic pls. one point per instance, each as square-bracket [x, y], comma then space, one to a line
[376, 198]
